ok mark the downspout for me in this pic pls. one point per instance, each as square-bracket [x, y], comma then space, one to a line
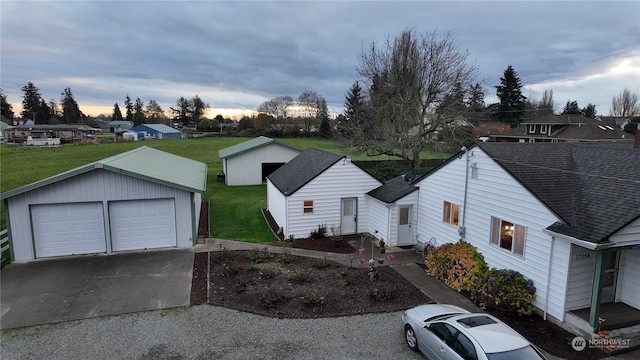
[546, 300]
[462, 229]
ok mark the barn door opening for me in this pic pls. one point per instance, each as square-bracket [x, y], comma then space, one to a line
[268, 168]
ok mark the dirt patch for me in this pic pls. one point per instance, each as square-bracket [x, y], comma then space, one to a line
[284, 285]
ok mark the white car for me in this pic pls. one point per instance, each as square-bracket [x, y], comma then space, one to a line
[444, 332]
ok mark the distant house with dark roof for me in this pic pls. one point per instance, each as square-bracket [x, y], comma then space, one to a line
[566, 127]
[565, 214]
[250, 162]
[41, 134]
[319, 187]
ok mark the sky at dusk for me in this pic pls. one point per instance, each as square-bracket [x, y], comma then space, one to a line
[237, 54]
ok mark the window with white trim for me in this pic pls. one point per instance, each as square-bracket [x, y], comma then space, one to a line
[532, 129]
[451, 213]
[508, 236]
[308, 206]
[543, 129]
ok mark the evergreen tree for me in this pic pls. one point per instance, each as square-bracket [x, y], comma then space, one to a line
[138, 116]
[5, 107]
[325, 128]
[31, 105]
[197, 108]
[509, 92]
[589, 111]
[154, 113]
[117, 114]
[475, 102]
[571, 108]
[71, 113]
[129, 105]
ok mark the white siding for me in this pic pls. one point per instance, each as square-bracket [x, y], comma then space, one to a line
[558, 282]
[246, 168]
[630, 289]
[342, 180]
[580, 282]
[379, 213]
[493, 193]
[97, 185]
[630, 232]
[276, 204]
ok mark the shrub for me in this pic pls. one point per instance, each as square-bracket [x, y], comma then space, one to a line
[312, 297]
[321, 263]
[242, 283]
[231, 268]
[286, 257]
[456, 264]
[271, 297]
[319, 233]
[506, 290]
[381, 293]
[256, 255]
[301, 276]
[269, 270]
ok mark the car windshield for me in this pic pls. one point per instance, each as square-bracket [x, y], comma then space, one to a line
[525, 353]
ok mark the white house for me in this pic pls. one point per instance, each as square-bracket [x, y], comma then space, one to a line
[566, 215]
[319, 187]
[393, 211]
[141, 199]
[250, 162]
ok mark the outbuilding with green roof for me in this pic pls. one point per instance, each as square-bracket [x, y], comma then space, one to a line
[250, 162]
[141, 199]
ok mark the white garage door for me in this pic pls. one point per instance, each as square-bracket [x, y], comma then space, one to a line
[67, 229]
[142, 224]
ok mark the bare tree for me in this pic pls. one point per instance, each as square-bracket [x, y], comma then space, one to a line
[405, 80]
[546, 104]
[278, 108]
[310, 104]
[625, 104]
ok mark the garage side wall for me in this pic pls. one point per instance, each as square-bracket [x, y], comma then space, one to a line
[246, 168]
[96, 186]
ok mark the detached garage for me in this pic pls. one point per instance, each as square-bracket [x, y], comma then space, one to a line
[140, 199]
[250, 162]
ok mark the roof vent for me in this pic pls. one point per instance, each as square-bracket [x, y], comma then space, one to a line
[409, 177]
[602, 127]
[609, 127]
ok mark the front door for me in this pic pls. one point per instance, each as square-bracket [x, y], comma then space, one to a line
[609, 281]
[349, 219]
[404, 225]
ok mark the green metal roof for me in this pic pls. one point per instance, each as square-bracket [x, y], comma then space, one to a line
[143, 163]
[248, 145]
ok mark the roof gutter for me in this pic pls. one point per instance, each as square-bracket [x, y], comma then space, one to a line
[585, 244]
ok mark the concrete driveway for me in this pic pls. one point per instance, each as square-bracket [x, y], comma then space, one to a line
[80, 287]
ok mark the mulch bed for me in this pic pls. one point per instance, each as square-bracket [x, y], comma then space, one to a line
[288, 286]
[325, 245]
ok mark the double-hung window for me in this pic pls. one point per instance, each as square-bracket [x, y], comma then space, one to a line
[508, 236]
[451, 213]
[308, 206]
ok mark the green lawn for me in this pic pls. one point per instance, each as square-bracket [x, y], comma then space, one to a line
[235, 211]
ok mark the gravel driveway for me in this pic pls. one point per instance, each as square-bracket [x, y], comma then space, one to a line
[207, 332]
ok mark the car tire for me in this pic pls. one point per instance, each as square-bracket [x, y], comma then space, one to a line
[410, 338]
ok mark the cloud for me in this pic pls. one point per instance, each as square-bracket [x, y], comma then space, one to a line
[239, 54]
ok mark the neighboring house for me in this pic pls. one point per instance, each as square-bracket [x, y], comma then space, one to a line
[393, 211]
[140, 199]
[316, 188]
[566, 215]
[37, 134]
[118, 126]
[567, 127]
[250, 162]
[615, 121]
[156, 131]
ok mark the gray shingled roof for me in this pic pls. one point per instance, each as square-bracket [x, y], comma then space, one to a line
[293, 175]
[392, 190]
[577, 127]
[593, 187]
